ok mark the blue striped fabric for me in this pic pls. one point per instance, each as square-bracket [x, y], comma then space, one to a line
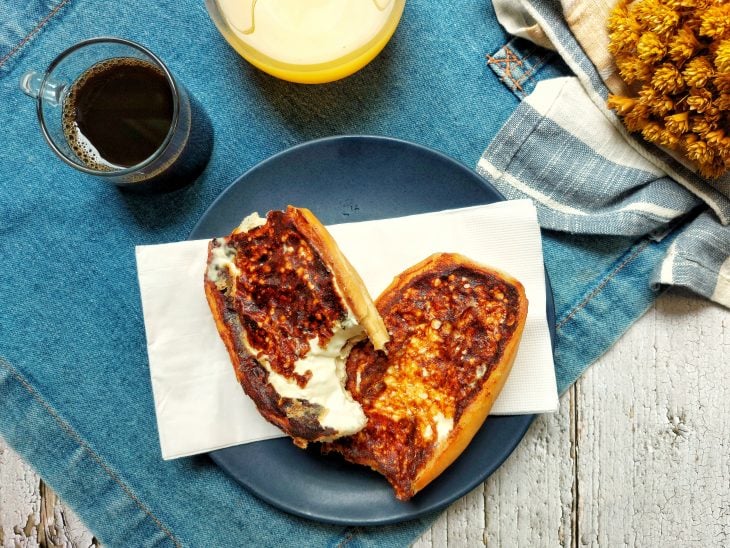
[567, 152]
[698, 259]
[550, 18]
[577, 188]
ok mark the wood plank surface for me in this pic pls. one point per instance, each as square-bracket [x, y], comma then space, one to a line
[20, 501]
[638, 455]
[31, 515]
[653, 432]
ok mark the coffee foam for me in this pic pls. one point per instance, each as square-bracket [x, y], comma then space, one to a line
[86, 152]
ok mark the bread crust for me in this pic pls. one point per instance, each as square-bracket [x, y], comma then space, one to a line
[374, 445]
[349, 282]
[252, 377]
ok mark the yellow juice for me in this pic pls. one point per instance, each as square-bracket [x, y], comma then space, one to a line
[307, 41]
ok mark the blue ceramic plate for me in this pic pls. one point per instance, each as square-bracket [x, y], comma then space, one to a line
[345, 179]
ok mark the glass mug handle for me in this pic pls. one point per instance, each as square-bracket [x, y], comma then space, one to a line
[173, 157]
[53, 90]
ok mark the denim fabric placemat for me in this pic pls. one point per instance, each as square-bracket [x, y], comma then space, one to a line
[73, 367]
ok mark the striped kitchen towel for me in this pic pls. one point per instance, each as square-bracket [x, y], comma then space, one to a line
[571, 155]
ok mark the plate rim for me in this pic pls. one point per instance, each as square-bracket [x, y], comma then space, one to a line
[524, 421]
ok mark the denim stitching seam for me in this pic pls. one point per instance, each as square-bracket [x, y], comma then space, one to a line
[33, 32]
[85, 446]
[534, 67]
[588, 298]
[503, 65]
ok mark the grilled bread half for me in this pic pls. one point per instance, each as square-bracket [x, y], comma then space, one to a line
[455, 327]
[289, 306]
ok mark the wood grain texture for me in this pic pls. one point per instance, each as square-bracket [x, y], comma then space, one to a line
[20, 501]
[59, 526]
[638, 455]
[654, 432]
[30, 513]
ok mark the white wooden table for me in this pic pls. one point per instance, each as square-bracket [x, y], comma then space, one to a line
[639, 455]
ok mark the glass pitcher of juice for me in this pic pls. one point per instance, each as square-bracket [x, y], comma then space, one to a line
[307, 41]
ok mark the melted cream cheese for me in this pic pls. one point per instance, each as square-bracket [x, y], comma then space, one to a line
[306, 32]
[223, 256]
[326, 386]
[252, 221]
[443, 426]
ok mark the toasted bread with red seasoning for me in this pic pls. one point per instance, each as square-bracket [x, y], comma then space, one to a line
[289, 306]
[455, 327]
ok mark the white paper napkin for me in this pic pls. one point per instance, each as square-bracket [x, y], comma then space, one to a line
[199, 404]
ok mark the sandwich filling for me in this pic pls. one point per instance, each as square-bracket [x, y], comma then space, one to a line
[325, 367]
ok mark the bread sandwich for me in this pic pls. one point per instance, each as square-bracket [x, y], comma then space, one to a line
[289, 307]
[454, 327]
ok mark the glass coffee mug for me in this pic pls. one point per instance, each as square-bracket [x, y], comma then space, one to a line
[111, 108]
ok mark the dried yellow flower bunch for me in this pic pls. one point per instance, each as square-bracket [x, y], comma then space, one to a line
[675, 57]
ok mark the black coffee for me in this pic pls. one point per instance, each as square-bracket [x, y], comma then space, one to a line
[118, 113]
